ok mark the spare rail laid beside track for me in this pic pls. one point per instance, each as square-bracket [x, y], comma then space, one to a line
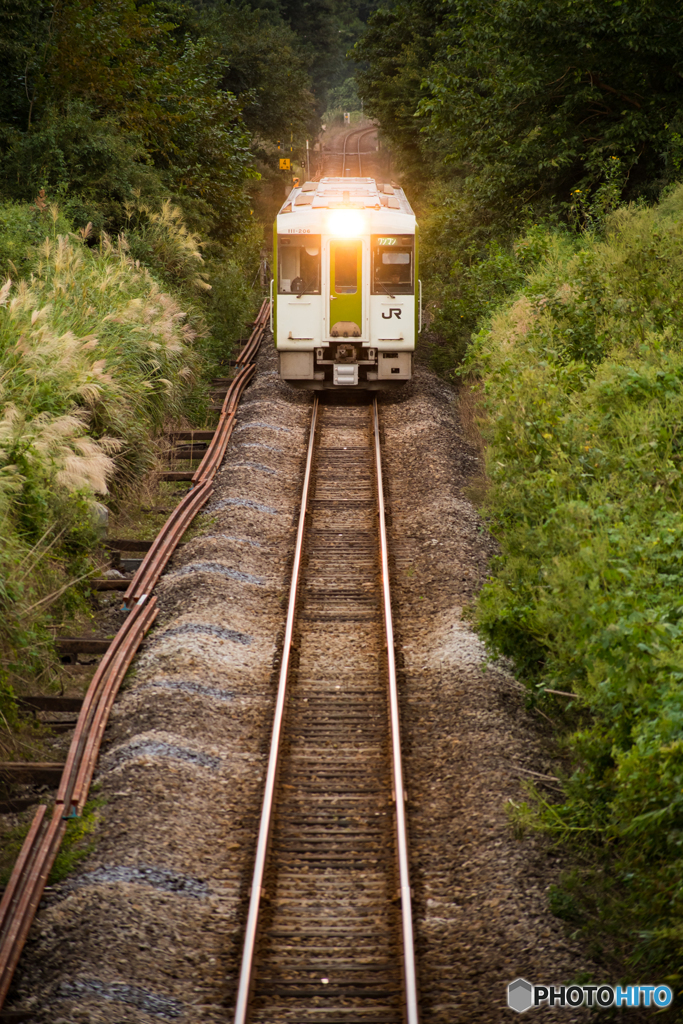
[329, 932]
[25, 888]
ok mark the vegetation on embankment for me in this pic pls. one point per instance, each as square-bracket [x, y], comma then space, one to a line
[97, 354]
[524, 132]
[506, 115]
[583, 400]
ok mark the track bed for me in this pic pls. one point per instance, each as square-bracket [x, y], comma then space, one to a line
[330, 928]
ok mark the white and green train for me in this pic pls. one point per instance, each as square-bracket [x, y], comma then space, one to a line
[345, 302]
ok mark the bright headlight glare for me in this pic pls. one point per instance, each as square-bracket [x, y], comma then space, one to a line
[346, 224]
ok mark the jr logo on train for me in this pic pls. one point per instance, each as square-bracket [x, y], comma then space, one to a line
[345, 300]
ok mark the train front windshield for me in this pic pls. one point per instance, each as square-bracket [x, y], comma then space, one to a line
[392, 264]
[298, 265]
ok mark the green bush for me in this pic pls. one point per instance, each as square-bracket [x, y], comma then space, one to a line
[583, 396]
[100, 348]
[205, 270]
[471, 258]
[84, 159]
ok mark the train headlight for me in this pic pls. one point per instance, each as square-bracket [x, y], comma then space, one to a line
[346, 224]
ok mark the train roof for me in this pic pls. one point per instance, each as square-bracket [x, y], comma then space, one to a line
[346, 193]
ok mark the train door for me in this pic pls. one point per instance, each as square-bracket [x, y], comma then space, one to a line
[346, 292]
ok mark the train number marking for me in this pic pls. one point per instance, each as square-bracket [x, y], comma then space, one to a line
[394, 311]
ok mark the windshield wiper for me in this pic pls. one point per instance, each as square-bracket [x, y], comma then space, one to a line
[305, 289]
[385, 289]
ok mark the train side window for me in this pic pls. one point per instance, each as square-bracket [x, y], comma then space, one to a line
[298, 265]
[392, 265]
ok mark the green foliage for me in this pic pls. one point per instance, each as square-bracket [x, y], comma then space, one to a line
[230, 304]
[97, 353]
[471, 261]
[84, 160]
[112, 98]
[160, 240]
[530, 102]
[327, 30]
[393, 56]
[344, 97]
[583, 387]
[78, 842]
[264, 68]
[22, 232]
[539, 98]
[564, 905]
[209, 275]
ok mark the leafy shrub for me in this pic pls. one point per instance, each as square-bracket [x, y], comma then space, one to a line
[206, 272]
[471, 259]
[83, 158]
[583, 397]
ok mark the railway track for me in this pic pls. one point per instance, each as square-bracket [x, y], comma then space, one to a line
[350, 157]
[22, 895]
[329, 928]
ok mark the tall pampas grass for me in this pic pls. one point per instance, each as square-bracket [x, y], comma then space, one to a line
[94, 329]
[95, 356]
[176, 249]
[60, 444]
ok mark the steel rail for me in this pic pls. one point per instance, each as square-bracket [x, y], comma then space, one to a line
[119, 666]
[360, 166]
[165, 543]
[24, 862]
[23, 893]
[208, 467]
[257, 891]
[346, 139]
[410, 974]
[25, 888]
[96, 692]
[251, 347]
[247, 966]
[360, 132]
[158, 556]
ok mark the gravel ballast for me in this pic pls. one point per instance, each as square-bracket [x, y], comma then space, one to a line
[149, 927]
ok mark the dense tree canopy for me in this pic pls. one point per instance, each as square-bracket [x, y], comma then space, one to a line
[328, 29]
[264, 67]
[393, 57]
[102, 98]
[312, 34]
[535, 98]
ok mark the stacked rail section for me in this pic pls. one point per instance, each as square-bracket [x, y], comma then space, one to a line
[329, 933]
[25, 888]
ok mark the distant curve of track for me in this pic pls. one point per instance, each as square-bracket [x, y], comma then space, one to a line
[359, 134]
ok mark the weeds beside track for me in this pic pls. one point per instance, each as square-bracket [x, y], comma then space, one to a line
[22, 895]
